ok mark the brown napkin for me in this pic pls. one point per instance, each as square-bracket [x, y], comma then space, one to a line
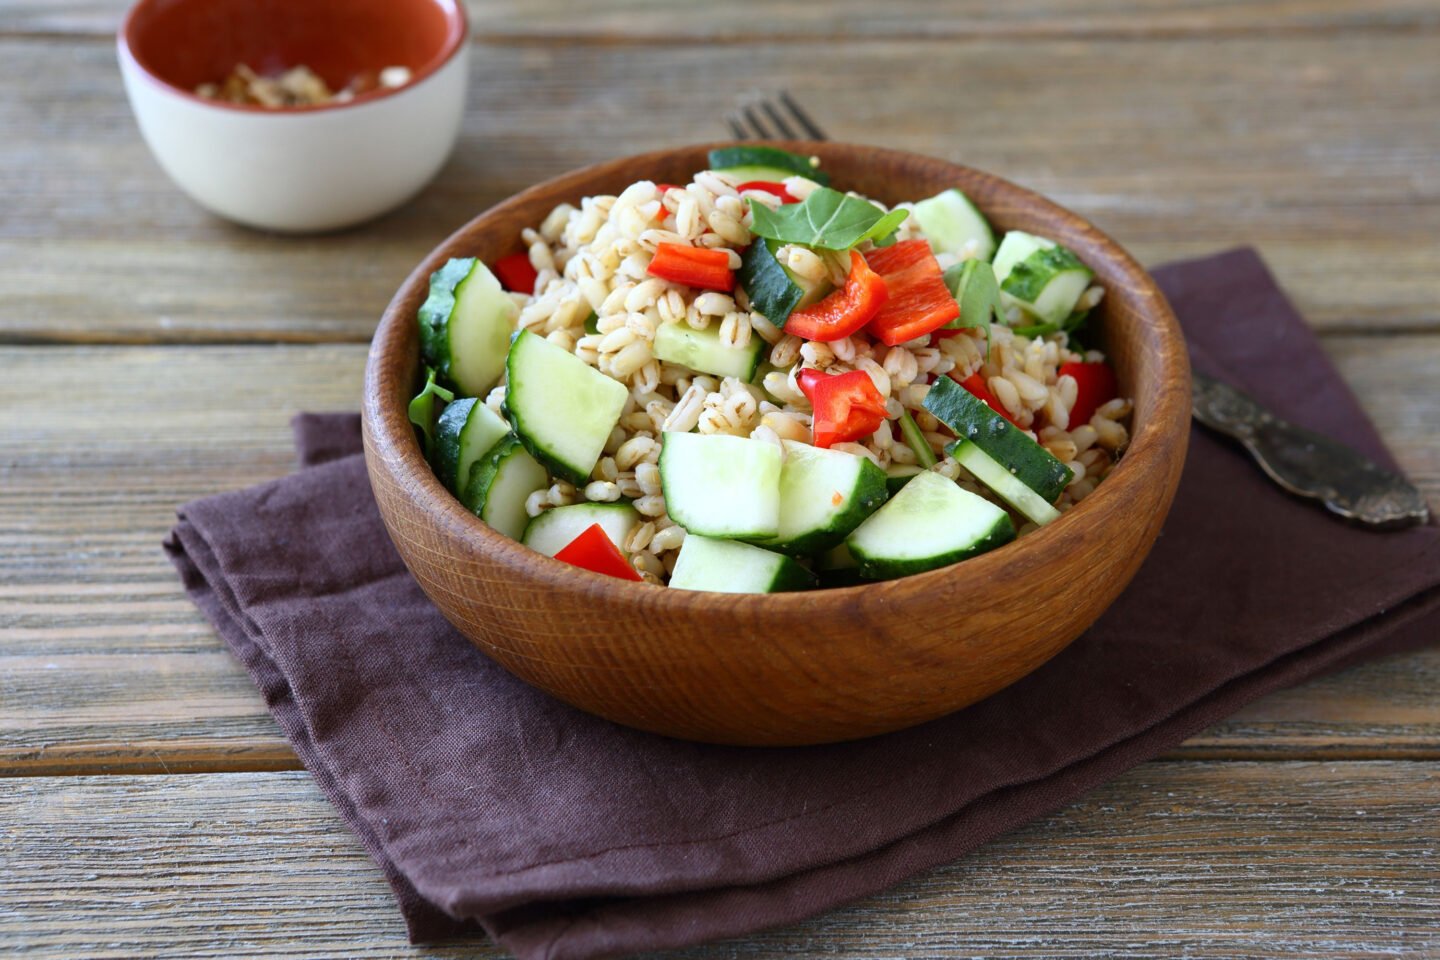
[488, 804]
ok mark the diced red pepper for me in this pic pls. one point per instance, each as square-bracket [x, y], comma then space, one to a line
[845, 310]
[847, 406]
[515, 273]
[976, 385]
[693, 266]
[594, 550]
[770, 187]
[662, 187]
[919, 301]
[1095, 387]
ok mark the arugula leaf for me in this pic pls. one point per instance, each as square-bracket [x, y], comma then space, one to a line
[828, 219]
[422, 407]
[973, 284]
[1073, 325]
[771, 291]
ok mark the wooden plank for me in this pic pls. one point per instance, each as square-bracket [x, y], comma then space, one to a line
[1183, 859]
[104, 665]
[630, 20]
[1207, 152]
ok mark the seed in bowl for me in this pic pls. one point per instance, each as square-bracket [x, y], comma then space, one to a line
[296, 87]
[752, 382]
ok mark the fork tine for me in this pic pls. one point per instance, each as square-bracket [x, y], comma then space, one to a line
[784, 128]
[801, 117]
[758, 125]
[736, 127]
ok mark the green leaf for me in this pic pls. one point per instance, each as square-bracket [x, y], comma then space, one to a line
[1072, 325]
[973, 284]
[592, 323]
[771, 291]
[422, 408]
[915, 440]
[828, 220]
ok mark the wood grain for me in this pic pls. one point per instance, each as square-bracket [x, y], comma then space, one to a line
[1185, 859]
[1316, 148]
[631, 20]
[104, 665]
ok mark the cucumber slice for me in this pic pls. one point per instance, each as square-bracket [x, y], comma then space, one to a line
[824, 494]
[776, 291]
[1016, 246]
[1041, 277]
[553, 530]
[765, 163]
[562, 409]
[971, 419]
[466, 432]
[721, 486]
[983, 468]
[915, 440]
[837, 568]
[465, 325]
[725, 566]
[499, 484]
[931, 523]
[899, 474]
[704, 351]
[951, 222]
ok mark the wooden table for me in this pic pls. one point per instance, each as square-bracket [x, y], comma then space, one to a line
[150, 354]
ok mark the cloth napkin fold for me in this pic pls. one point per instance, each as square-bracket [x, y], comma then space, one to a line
[489, 805]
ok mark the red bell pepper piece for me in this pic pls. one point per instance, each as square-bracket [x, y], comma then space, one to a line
[976, 385]
[847, 406]
[693, 266]
[515, 273]
[919, 301]
[843, 311]
[662, 187]
[1096, 386]
[770, 187]
[594, 550]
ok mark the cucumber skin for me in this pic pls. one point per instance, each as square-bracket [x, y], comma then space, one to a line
[1028, 278]
[447, 441]
[971, 419]
[484, 471]
[880, 568]
[781, 161]
[773, 294]
[789, 575]
[895, 482]
[871, 494]
[435, 313]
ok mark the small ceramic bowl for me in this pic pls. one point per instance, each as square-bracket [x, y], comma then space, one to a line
[789, 668]
[299, 169]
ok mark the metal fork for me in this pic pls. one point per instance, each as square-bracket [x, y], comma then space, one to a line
[757, 117]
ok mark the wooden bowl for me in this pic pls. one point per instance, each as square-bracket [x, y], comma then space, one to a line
[790, 668]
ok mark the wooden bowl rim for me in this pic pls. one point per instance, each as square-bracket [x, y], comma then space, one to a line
[1163, 437]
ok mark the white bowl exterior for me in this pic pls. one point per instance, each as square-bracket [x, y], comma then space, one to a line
[307, 170]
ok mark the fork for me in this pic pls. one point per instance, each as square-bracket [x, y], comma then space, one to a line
[1349, 484]
[755, 118]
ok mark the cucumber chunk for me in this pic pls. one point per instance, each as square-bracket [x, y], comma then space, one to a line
[952, 224]
[553, 530]
[776, 291]
[1043, 278]
[932, 522]
[899, 474]
[824, 494]
[721, 486]
[499, 484]
[984, 468]
[837, 568]
[562, 409]
[765, 163]
[1022, 457]
[704, 351]
[465, 325]
[725, 566]
[466, 432]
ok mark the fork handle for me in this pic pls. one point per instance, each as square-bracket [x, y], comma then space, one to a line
[1309, 464]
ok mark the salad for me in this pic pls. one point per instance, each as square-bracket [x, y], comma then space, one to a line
[754, 382]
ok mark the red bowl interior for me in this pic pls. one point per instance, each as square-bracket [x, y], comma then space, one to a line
[184, 43]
